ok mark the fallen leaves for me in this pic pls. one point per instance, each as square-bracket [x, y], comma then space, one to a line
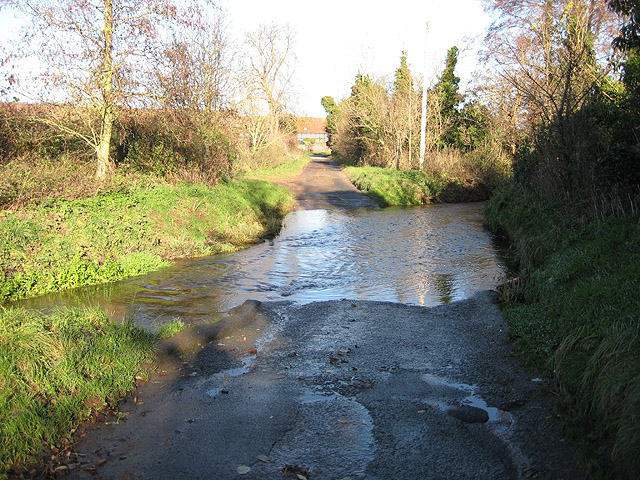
[243, 469]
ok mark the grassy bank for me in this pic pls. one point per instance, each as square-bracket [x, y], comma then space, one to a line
[575, 313]
[64, 243]
[412, 187]
[284, 170]
[55, 370]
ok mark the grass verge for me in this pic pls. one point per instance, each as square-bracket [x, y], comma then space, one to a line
[412, 187]
[288, 169]
[575, 314]
[58, 368]
[62, 243]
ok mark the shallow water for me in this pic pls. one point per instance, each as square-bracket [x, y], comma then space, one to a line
[425, 255]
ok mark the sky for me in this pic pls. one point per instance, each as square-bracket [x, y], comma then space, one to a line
[337, 39]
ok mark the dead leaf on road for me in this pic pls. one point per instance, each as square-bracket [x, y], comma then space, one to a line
[243, 469]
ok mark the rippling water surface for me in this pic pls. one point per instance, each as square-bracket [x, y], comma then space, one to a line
[419, 255]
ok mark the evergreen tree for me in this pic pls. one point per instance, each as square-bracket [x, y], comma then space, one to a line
[449, 99]
[331, 108]
[448, 85]
[402, 83]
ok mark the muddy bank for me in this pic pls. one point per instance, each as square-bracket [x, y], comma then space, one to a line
[333, 390]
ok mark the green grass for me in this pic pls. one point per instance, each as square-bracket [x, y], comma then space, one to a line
[58, 368]
[410, 187]
[577, 318]
[62, 244]
[288, 169]
[170, 329]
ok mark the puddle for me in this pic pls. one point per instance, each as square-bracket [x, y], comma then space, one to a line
[347, 437]
[221, 379]
[472, 399]
[309, 396]
[500, 422]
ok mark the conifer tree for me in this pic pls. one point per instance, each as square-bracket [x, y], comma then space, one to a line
[449, 98]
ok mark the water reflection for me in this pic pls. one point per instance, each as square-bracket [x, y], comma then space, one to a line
[419, 255]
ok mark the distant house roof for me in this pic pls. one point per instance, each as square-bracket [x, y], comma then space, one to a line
[311, 125]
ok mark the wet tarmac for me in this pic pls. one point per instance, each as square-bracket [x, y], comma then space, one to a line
[336, 390]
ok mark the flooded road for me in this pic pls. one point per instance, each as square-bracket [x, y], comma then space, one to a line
[412, 377]
[426, 255]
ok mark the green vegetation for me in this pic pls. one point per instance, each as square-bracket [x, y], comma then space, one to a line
[62, 243]
[574, 313]
[168, 330]
[572, 218]
[55, 370]
[271, 174]
[379, 125]
[411, 187]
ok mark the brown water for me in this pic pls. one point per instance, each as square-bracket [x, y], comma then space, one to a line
[425, 255]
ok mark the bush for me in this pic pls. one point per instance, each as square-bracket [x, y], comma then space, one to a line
[176, 147]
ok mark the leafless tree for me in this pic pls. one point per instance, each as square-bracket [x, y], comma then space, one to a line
[196, 70]
[97, 56]
[270, 63]
[546, 55]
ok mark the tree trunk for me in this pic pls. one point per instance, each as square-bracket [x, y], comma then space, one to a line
[103, 149]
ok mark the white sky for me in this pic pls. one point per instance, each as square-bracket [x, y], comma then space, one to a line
[336, 39]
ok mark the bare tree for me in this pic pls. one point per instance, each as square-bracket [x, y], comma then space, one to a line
[97, 56]
[196, 70]
[270, 62]
[550, 52]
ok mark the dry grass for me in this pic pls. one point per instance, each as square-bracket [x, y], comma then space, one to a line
[450, 162]
[28, 181]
